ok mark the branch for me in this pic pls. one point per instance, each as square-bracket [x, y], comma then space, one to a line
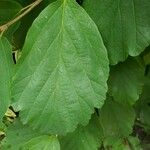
[24, 11]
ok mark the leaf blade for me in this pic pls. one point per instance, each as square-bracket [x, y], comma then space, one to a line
[84, 138]
[124, 26]
[71, 76]
[116, 120]
[6, 64]
[23, 137]
[126, 81]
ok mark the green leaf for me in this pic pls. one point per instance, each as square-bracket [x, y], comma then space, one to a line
[134, 143]
[124, 25]
[8, 10]
[143, 106]
[124, 144]
[63, 70]
[27, 20]
[144, 117]
[19, 137]
[6, 63]
[145, 97]
[126, 81]
[42, 142]
[146, 56]
[116, 120]
[84, 138]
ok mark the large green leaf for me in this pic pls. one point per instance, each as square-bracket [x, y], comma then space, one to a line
[84, 138]
[116, 120]
[63, 70]
[6, 63]
[124, 24]
[126, 81]
[19, 137]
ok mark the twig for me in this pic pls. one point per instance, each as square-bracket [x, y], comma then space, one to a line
[25, 10]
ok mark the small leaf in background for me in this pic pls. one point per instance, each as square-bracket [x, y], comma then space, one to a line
[62, 73]
[116, 120]
[124, 25]
[126, 81]
[8, 10]
[145, 117]
[24, 138]
[131, 143]
[84, 138]
[143, 106]
[146, 56]
[44, 142]
[145, 97]
[6, 64]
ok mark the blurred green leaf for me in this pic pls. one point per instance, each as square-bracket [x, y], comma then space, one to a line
[20, 137]
[126, 81]
[116, 120]
[84, 138]
[124, 25]
[131, 143]
[8, 10]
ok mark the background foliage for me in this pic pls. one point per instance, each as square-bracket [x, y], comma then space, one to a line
[75, 75]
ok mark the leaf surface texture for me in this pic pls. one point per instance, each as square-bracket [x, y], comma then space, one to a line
[20, 137]
[63, 70]
[6, 64]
